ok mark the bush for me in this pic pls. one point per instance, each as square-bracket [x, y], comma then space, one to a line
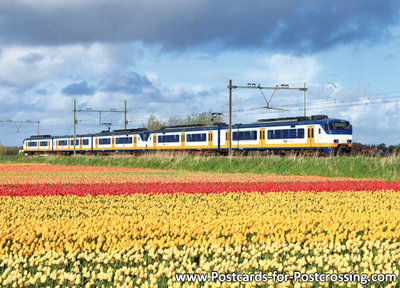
[4, 151]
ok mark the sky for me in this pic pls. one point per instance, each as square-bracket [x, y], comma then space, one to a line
[175, 58]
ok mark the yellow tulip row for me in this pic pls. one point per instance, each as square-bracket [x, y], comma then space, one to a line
[145, 239]
[107, 223]
[152, 267]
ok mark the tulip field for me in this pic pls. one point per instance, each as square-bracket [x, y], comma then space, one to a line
[65, 226]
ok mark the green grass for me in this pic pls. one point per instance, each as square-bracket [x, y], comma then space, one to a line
[349, 166]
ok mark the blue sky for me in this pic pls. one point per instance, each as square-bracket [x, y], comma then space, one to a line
[176, 58]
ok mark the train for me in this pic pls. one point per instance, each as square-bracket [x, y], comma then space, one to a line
[317, 134]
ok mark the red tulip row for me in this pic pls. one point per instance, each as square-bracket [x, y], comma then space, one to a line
[170, 188]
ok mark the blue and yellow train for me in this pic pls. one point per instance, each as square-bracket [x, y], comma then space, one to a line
[317, 133]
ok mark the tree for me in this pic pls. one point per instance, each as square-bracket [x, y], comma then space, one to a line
[205, 118]
[3, 150]
[153, 123]
[173, 120]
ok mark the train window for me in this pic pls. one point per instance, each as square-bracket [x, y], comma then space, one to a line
[123, 140]
[144, 136]
[168, 138]
[319, 130]
[104, 141]
[292, 133]
[76, 143]
[43, 143]
[325, 126]
[62, 142]
[196, 137]
[278, 134]
[270, 134]
[32, 144]
[85, 142]
[341, 125]
[285, 134]
[300, 133]
[253, 135]
[245, 135]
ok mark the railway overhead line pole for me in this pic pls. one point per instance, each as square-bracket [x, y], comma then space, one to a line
[125, 111]
[258, 86]
[23, 122]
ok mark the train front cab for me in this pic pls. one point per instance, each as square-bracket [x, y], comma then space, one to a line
[38, 145]
[337, 136]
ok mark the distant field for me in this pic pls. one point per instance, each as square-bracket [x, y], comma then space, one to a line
[387, 168]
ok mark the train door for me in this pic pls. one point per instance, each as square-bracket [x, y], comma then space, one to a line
[227, 139]
[210, 139]
[154, 140]
[183, 140]
[262, 137]
[310, 136]
[134, 141]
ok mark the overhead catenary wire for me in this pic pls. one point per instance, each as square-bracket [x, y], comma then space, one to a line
[353, 102]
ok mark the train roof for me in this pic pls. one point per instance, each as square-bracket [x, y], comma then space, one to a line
[40, 136]
[294, 119]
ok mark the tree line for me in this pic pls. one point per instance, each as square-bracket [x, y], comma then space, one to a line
[204, 118]
[6, 151]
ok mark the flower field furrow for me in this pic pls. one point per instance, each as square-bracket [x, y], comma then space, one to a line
[49, 168]
[191, 188]
[59, 174]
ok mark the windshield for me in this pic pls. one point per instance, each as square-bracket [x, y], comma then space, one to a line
[339, 125]
[144, 136]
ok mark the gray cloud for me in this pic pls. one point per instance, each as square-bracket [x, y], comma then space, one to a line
[294, 25]
[129, 82]
[32, 58]
[81, 88]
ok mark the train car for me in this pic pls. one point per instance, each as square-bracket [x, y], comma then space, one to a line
[185, 138]
[315, 134]
[40, 144]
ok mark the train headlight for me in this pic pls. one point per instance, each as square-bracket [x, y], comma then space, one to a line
[336, 141]
[348, 141]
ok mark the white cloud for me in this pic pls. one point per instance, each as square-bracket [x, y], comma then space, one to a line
[281, 68]
[29, 66]
[19, 68]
